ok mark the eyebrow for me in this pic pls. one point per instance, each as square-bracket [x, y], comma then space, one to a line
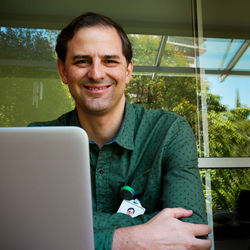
[80, 57]
[77, 57]
[111, 57]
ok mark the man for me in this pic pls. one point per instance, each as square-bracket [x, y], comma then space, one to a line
[153, 152]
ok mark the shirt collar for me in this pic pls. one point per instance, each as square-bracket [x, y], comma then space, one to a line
[125, 137]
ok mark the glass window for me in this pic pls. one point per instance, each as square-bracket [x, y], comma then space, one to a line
[228, 103]
[179, 52]
[219, 52]
[145, 48]
[244, 62]
[29, 83]
[230, 189]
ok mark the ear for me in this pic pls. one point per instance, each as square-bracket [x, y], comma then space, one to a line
[129, 72]
[62, 71]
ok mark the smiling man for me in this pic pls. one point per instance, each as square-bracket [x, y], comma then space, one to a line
[153, 152]
[96, 72]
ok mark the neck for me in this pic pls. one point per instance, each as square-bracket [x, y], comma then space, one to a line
[102, 128]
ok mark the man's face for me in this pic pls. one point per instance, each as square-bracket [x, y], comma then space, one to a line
[96, 70]
[130, 212]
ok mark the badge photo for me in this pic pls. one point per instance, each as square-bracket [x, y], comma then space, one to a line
[131, 208]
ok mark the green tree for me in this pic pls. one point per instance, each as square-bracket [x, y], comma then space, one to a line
[177, 94]
[229, 137]
[29, 84]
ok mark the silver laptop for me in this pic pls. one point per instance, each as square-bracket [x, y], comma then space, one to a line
[45, 190]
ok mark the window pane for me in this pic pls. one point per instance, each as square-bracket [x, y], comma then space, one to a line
[227, 96]
[179, 52]
[244, 62]
[219, 52]
[230, 202]
[31, 89]
[145, 49]
[177, 94]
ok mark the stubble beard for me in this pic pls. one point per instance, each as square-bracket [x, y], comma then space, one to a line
[96, 104]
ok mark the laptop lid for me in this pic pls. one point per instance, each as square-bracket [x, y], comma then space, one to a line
[45, 189]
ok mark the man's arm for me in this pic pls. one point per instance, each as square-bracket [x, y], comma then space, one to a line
[164, 231]
[105, 225]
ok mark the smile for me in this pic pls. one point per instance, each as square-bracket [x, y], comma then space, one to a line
[97, 89]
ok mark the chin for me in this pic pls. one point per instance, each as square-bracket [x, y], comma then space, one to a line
[97, 108]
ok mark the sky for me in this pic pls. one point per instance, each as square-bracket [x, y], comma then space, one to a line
[228, 89]
[219, 52]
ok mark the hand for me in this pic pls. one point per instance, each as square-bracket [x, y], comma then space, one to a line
[163, 231]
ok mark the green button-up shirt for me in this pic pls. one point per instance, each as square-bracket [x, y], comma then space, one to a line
[155, 153]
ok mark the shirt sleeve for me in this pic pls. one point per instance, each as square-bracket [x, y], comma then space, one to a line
[105, 225]
[182, 182]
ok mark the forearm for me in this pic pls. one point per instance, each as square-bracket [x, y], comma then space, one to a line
[112, 221]
[127, 238]
[106, 224]
[163, 231]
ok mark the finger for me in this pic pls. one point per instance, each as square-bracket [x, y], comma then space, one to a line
[203, 244]
[200, 229]
[177, 212]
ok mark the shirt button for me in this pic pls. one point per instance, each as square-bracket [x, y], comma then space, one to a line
[101, 171]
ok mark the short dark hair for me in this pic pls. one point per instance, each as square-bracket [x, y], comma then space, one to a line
[91, 19]
[131, 208]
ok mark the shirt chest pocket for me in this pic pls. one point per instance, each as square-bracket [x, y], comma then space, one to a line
[148, 189]
[141, 182]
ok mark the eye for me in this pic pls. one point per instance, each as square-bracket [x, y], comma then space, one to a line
[111, 62]
[82, 61]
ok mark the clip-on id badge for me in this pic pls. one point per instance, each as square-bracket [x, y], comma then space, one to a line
[129, 206]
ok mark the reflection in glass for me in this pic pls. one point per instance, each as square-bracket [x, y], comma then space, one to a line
[30, 88]
[228, 116]
[219, 52]
[244, 62]
[177, 94]
[230, 197]
[145, 49]
[179, 52]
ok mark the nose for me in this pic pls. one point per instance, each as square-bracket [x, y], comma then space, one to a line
[96, 71]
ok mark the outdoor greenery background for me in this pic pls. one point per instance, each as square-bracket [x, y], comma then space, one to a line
[28, 63]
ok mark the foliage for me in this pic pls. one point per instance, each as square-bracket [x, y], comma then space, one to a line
[213, 103]
[29, 87]
[26, 44]
[144, 49]
[229, 138]
[176, 94]
[226, 186]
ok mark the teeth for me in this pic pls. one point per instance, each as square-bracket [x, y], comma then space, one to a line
[95, 88]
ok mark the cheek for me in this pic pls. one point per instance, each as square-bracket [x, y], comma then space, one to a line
[76, 74]
[118, 75]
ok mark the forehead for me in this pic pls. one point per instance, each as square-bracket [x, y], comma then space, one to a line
[96, 38]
